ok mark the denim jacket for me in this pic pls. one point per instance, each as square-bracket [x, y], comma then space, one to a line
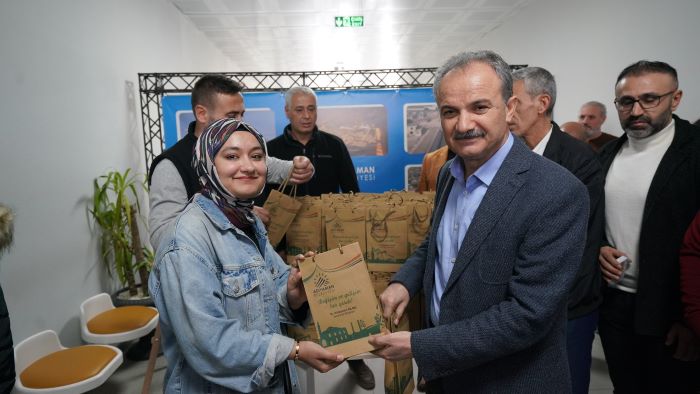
[221, 304]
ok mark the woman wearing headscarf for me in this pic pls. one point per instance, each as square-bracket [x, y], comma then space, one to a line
[220, 288]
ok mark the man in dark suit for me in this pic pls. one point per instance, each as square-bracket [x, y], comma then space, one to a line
[536, 92]
[506, 242]
[652, 192]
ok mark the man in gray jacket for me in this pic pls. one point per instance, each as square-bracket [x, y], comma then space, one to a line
[508, 232]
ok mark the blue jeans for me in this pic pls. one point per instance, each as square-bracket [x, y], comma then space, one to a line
[579, 345]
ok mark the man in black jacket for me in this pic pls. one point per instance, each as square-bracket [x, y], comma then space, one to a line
[331, 160]
[652, 192]
[330, 157]
[535, 90]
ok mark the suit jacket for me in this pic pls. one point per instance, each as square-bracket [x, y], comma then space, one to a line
[577, 157]
[671, 203]
[432, 162]
[503, 312]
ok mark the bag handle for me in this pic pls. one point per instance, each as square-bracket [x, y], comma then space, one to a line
[378, 225]
[418, 221]
[283, 185]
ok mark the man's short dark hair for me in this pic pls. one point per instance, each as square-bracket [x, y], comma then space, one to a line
[645, 67]
[209, 85]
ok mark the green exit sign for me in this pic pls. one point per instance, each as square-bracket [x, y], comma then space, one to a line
[349, 21]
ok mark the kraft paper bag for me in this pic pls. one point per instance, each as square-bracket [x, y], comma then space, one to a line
[304, 334]
[283, 209]
[342, 300]
[305, 233]
[418, 224]
[380, 281]
[398, 375]
[345, 225]
[387, 237]
[333, 198]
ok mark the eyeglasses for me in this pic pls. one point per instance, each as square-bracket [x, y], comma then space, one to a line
[646, 101]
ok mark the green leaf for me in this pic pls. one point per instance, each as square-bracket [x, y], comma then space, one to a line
[115, 194]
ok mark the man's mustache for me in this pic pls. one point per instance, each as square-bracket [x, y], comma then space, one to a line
[642, 118]
[473, 133]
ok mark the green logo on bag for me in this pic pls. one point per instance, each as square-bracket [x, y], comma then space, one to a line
[322, 284]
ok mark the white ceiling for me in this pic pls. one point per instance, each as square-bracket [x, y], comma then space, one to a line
[286, 35]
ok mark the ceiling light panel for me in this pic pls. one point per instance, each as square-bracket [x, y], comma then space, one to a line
[302, 35]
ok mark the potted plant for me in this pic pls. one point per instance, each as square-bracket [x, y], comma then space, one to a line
[116, 213]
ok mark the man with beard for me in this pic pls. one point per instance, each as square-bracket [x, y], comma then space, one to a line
[652, 192]
[592, 117]
[507, 236]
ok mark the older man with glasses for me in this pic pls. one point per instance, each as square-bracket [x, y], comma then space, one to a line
[652, 192]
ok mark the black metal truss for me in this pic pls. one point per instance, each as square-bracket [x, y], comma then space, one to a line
[153, 86]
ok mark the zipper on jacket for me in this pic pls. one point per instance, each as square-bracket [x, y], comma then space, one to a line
[306, 185]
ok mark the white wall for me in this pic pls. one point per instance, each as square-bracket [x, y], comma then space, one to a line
[71, 111]
[586, 44]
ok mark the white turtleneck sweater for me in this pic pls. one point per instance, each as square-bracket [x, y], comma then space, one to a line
[626, 188]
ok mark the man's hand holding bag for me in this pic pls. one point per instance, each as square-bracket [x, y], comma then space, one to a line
[283, 209]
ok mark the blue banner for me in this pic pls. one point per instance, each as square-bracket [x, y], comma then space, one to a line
[386, 131]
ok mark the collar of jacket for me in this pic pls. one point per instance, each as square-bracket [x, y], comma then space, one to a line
[289, 139]
[219, 219]
[190, 128]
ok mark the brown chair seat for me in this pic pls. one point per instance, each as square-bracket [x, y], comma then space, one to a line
[124, 318]
[67, 366]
